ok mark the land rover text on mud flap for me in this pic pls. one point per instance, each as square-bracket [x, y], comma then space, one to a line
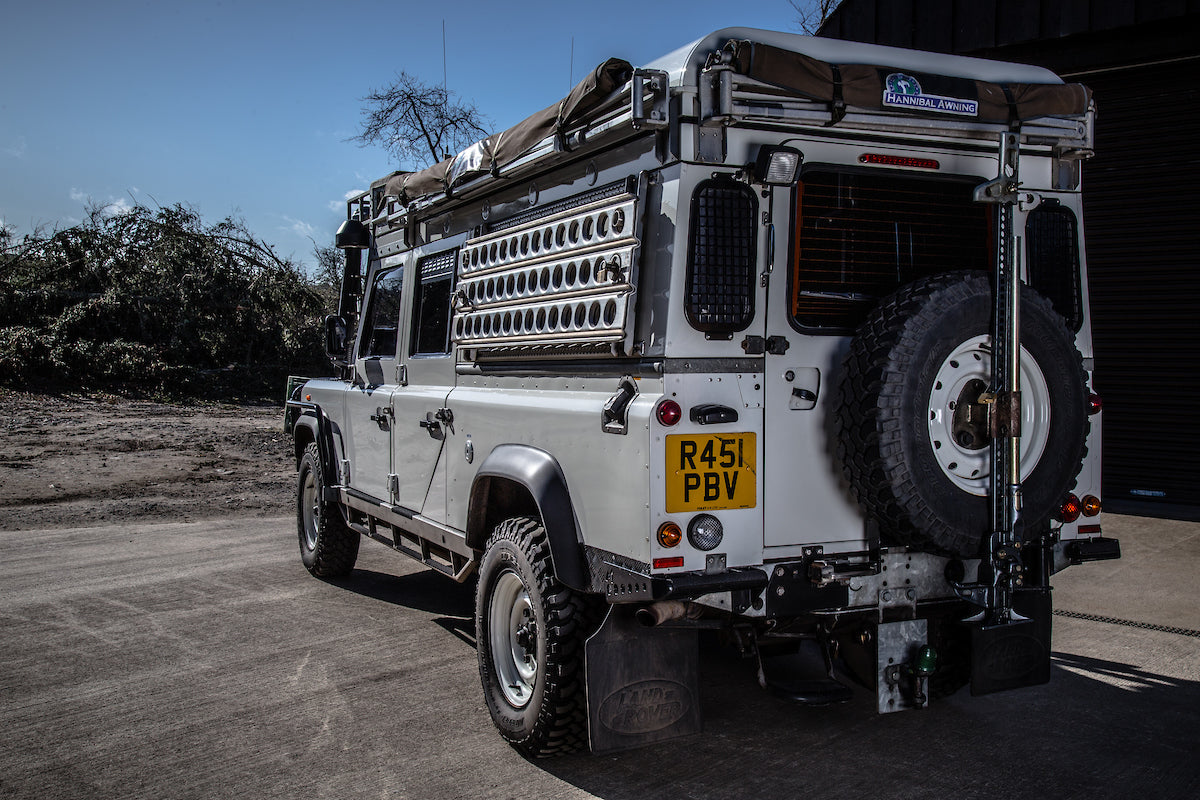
[782, 335]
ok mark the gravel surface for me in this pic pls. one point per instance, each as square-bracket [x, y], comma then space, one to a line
[79, 461]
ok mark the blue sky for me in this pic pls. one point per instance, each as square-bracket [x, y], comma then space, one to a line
[244, 108]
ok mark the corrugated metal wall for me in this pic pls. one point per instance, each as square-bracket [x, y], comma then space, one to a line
[1141, 222]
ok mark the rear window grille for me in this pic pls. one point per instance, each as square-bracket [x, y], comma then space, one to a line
[1051, 235]
[860, 236]
[721, 257]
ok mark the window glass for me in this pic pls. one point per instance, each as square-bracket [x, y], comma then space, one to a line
[859, 236]
[431, 312]
[382, 320]
[722, 270]
[1052, 238]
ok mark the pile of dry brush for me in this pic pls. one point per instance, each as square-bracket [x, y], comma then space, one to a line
[155, 302]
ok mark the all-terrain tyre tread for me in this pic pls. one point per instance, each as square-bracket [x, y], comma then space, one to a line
[570, 618]
[870, 418]
[337, 544]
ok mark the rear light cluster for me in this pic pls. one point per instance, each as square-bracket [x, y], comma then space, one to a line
[704, 532]
[1072, 507]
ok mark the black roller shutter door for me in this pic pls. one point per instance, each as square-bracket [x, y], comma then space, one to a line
[1140, 212]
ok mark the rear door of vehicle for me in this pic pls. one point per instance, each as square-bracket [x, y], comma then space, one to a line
[856, 235]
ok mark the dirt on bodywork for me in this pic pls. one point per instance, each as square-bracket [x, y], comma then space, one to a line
[79, 461]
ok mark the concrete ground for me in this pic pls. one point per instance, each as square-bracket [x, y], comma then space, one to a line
[201, 661]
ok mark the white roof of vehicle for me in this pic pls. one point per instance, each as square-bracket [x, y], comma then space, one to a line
[683, 65]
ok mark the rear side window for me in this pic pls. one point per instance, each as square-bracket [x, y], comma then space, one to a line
[859, 236]
[1052, 239]
[431, 313]
[721, 258]
[382, 320]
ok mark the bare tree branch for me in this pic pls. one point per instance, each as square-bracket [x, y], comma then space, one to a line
[811, 14]
[419, 124]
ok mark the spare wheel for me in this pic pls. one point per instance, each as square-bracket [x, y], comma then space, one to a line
[913, 436]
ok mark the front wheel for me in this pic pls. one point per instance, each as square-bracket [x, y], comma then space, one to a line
[530, 632]
[328, 547]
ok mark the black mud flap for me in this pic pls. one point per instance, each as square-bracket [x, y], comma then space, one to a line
[1017, 653]
[642, 683]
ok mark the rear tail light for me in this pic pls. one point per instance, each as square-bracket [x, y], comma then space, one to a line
[1091, 505]
[1069, 510]
[667, 563]
[1095, 403]
[668, 412]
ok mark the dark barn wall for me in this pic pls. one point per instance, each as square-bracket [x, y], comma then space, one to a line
[1142, 61]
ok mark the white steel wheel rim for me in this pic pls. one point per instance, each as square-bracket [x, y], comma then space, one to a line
[970, 469]
[512, 635]
[310, 510]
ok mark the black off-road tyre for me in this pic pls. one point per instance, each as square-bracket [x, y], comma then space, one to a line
[886, 413]
[544, 711]
[328, 547]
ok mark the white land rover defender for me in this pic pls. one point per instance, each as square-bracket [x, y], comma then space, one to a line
[780, 335]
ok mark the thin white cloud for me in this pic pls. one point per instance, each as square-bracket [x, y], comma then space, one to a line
[299, 227]
[110, 208]
[16, 148]
[340, 205]
[118, 206]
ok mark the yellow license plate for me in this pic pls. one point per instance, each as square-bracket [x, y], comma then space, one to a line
[707, 472]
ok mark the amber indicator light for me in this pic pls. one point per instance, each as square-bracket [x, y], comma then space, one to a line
[669, 534]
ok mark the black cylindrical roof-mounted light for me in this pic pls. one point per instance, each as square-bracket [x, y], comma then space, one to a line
[778, 166]
[352, 235]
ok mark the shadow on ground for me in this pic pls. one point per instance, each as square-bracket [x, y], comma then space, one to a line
[1098, 729]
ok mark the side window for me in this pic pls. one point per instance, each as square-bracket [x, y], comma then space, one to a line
[1052, 239]
[382, 320]
[859, 236]
[431, 304]
[722, 261]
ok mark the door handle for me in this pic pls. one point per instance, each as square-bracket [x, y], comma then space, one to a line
[383, 417]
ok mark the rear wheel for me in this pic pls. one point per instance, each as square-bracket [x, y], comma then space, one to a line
[328, 547]
[913, 432]
[530, 632]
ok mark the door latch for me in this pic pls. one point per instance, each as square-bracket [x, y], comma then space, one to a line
[383, 417]
[434, 420]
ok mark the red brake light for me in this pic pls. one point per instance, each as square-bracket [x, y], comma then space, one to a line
[669, 412]
[898, 161]
[664, 563]
[1095, 403]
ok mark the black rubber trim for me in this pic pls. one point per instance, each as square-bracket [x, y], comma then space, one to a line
[694, 584]
[540, 474]
[1099, 549]
[313, 419]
